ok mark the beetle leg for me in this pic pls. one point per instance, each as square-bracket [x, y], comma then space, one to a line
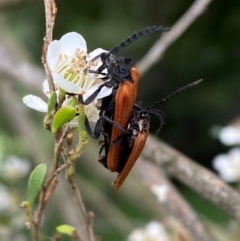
[94, 94]
[95, 72]
[101, 149]
[103, 161]
[115, 123]
[101, 68]
[97, 130]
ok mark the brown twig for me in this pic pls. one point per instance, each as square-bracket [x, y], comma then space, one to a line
[194, 176]
[172, 200]
[51, 183]
[161, 45]
[76, 236]
[88, 217]
[50, 13]
[57, 153]
[122, 224]
[56, 237]
[51, 189]
[46, 193]
[44, 197]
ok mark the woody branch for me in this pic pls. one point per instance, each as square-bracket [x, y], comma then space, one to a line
[194, 176]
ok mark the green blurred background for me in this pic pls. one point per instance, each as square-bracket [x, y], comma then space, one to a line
[208, 50]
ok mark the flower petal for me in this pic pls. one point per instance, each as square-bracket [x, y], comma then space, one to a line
[104, 92]
[45, 87]
[74, 122]
[91, 112]
[53, 54]
[66, 85]
[96, 52]
[35, 103]
[72, 41]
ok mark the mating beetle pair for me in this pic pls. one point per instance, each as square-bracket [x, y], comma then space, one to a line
[123, 78]
[122, 121]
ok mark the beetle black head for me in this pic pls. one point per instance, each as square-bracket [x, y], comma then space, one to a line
[147, 113]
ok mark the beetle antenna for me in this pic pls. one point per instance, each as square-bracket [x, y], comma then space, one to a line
[161, 117]
[176, 93]
[133, 38]
[136, 36]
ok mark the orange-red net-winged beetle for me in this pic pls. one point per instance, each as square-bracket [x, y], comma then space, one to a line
[135, 136]
[124, 101]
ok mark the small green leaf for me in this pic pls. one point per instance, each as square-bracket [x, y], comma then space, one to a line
[35, 182]
[62, 116]
[52, 102]
[28, 209]
[25, 204]
[81, 120]
[66, 229]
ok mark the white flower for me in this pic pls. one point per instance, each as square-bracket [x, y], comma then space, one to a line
[67, 58]
[154, 231]
[230, 135]
[228, 165]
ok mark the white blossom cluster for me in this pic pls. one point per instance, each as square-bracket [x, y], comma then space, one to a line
[153, 231]
[228, 165]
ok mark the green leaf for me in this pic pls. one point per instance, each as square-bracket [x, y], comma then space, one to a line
[35, 182]
[62, 116]
[66, 229]
[81, 120]
[52, 102]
